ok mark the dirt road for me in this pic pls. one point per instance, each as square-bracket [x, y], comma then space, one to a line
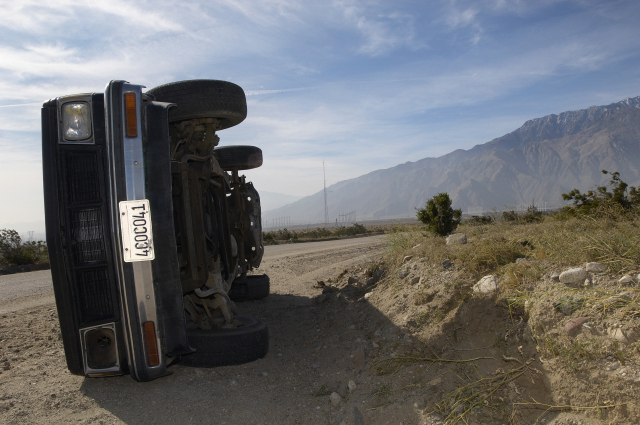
[317, 346]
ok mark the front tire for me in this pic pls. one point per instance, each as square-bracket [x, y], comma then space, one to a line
[224, 347]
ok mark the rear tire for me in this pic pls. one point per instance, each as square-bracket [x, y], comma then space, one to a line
[204, 99]
[238, 157]
[224, 347]
[253, 288]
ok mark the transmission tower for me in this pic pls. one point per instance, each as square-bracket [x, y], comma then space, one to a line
[326, 207]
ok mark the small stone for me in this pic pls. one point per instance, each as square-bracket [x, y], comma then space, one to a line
[520, 260]
[367, 295]
[588, 282]
[233, 382]
[377, 275]
[359, 418]
[353, 279]
[335, 398]
[573, 326]
[434, 382]
[595, 267]
[613, 366]
[446, 263]
[619, 335]
[407, 258]
[486, 285]
[374, 345]
[415, 280]
[555, 276]
[457, 238]
[352, 327]
[358, 357]
[403, 273]
[352, 386]
[265, 374]
[576, 275]
[625, 280]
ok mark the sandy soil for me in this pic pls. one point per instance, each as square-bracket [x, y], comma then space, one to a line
[328, 358]
[310, 351]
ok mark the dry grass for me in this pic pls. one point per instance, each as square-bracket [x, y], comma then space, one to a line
[549, 245]
[494, 248]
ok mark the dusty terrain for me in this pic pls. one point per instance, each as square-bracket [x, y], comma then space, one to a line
[361, 347]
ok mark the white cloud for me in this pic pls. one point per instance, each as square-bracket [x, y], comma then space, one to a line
[382, 32]
[39, 17]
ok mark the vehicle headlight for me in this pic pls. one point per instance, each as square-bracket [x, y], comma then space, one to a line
[76, 121]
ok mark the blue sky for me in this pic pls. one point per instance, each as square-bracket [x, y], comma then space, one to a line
[363, 85]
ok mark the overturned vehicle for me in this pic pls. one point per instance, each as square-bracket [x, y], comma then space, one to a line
[151, 229]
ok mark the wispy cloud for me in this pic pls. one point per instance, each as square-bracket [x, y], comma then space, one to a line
[38, 17]
[382, 32]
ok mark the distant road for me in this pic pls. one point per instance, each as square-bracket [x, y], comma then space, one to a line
[27, 290]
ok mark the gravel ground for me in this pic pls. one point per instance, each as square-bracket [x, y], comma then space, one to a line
[315, 349]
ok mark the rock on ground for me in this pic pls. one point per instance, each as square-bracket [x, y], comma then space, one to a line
[457, 238]
[576, 275]
[596, 267]
[486, 285]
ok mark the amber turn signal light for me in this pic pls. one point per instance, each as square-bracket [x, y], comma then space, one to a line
[150, 343]
[130, 115]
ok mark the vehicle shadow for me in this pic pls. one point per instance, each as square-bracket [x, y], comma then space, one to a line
[317, 346]
[311, 354]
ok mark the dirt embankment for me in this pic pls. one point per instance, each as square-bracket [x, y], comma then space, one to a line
[360, 348]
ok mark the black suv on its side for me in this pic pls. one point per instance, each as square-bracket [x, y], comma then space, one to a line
[151, 230]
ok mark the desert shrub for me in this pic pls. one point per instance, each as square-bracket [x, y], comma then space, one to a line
[268, 237]
[16, 253]
[355, 229]
[438, 215]
[532, 215]
[479, 220]
[619, 199]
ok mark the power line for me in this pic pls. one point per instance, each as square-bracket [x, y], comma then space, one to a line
[326, 207]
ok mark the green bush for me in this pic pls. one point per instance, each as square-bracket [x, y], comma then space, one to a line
[438, 215]
[355, 229]
[532, 215]
[16, 253]
[479, 220]
[621, 197]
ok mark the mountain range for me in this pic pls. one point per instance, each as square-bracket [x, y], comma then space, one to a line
[536, 163]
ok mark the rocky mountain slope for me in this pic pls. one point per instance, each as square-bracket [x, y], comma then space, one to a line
[537, 162]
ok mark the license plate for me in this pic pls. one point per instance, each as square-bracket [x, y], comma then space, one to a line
[137, 238]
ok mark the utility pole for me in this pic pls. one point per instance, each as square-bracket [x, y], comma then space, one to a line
[326, 207]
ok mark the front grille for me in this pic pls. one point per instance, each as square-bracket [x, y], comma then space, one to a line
[83, 179]
[87, 234]
[94, 295]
